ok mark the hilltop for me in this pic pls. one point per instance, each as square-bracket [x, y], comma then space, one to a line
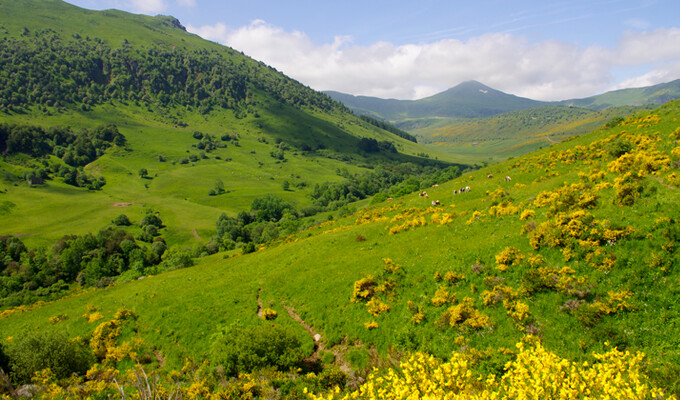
[467, 100]
[473, 99]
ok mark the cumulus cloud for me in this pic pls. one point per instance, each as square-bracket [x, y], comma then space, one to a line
[547, 70]
[145, 6]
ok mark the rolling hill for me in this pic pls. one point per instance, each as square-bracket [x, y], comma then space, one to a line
[573, 247]
[480, 125]
[180, 221]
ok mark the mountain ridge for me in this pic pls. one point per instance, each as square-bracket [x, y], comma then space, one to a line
[467, 100]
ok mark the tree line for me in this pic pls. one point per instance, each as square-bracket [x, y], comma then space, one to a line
[74, 149]
[270, 216]
[44, 69]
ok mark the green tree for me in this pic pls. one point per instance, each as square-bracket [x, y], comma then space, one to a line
[269, 208]
[38, 350]
[246, 349]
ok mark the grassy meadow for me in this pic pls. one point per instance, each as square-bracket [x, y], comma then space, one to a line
[576, 249]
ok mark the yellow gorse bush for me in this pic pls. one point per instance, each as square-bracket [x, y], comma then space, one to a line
[535, 373]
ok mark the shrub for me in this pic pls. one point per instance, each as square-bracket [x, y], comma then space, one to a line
[177, 259]
[122, 220]
[36, 351]
[245, 349]
[269, 314]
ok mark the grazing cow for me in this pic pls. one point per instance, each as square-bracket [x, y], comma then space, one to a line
[508, 179]
[435, 203]
[435, 185]
[489, 176]
[389, 199]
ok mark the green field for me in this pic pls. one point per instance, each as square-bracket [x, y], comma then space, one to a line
[564, 247]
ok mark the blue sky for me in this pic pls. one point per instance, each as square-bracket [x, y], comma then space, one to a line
[547, 50]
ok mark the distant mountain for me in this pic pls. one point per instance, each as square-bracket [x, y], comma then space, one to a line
[467, 100]
[474, 100]
[650, 95]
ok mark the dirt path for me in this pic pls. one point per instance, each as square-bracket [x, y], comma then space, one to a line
[318, 344]
[195, 233]
[549, 139]
[259, 302]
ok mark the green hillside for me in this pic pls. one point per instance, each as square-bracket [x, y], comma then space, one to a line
[577, 251]
[510, 134]
[650, 95]
[68, 67]
[180, 221]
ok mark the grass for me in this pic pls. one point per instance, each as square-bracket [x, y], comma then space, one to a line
[314, 272]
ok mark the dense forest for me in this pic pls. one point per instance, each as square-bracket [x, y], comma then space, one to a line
[41, 68]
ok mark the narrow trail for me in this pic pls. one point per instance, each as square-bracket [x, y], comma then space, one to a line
[259, 302]
[194, 232]
[319, 346]
[549, 139]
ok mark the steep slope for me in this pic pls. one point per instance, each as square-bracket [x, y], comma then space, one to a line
[574, 246]
[195, 116]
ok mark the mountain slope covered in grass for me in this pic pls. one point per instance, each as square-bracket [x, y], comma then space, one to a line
[205, 129]
[574, 246]
[510, 134]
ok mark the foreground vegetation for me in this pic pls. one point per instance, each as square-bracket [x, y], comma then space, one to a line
[570, 251]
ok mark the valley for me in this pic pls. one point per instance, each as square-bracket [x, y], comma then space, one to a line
[181, 221]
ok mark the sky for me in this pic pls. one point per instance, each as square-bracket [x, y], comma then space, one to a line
[544, 50]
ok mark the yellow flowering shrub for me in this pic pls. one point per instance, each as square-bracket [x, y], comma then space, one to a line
[93, 317]
[465, 315]
[377, 307]
[269, 314]
[500, 293]
[503, 209]
[508, 257]
[371, 325]
[442, 296]
[535, 374]
[526, 214]
[407, 225]
[475, 217]
[364, 289]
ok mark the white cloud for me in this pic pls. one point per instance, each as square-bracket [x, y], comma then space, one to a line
[187, 3]
[661, 74]
[547, 70]
[147, 6]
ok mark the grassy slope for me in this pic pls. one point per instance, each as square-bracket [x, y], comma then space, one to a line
[510, 134]
[179, 192]
[315, 270]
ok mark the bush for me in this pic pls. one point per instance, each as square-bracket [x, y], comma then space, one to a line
[122, 220]
[240, 349]
[36, 351]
